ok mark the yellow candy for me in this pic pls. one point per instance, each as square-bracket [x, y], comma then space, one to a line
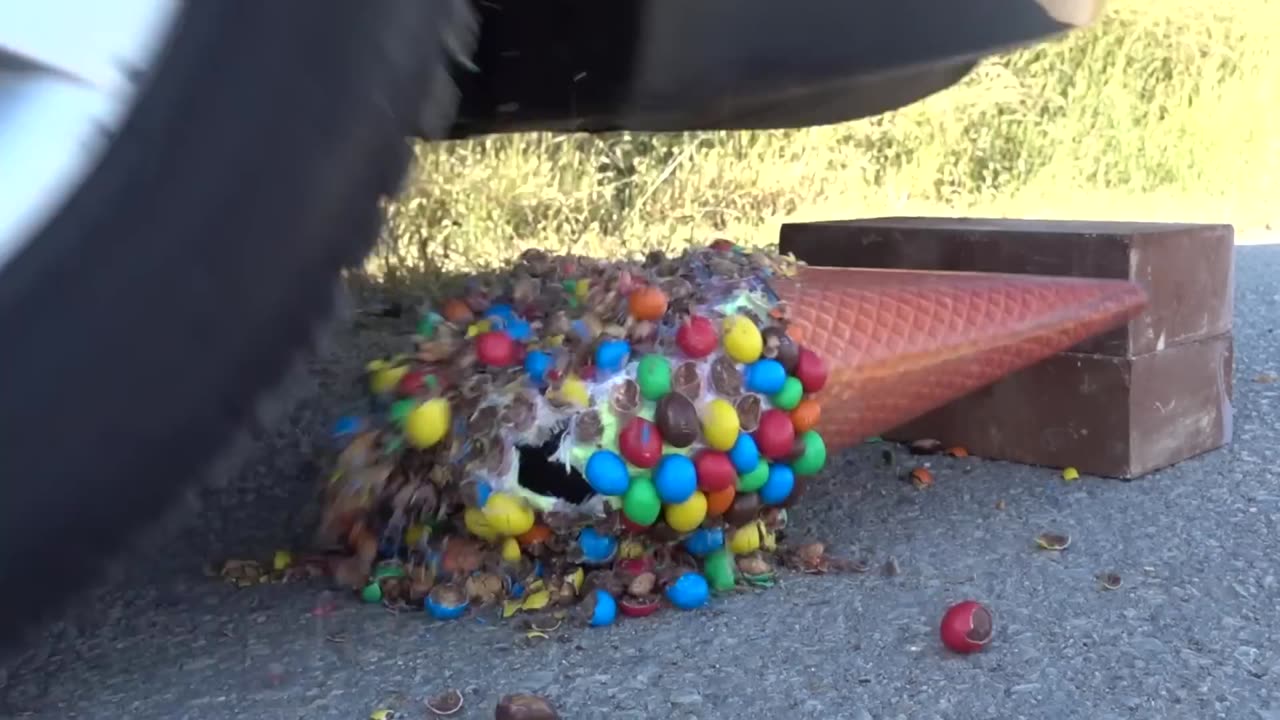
[511, 550]
[742, 339]
[476, 328]
[536, 600]
[768, 540]
[575, 391]
[631, 549]
[383, 380]
[282, 560]
[747, 538]
[507, 515]
[375, 365]
[720, 424]
[576, 579]
[1070, 473]
[428, 423]
[413, 535]
[478, 525]
[688, 515]
[582, 288]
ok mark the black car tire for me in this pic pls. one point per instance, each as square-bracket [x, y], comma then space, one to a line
[182, 279]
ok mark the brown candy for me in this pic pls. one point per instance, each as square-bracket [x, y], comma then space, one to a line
[520, 414]
[483, 422]
[525, 707]
[686, 381]
[661, 532]
[625, 399]
[643, 337]
[749, 408]
[779, 346]
[726, 378]
[677, 420]
[588, 429]
[744, 509]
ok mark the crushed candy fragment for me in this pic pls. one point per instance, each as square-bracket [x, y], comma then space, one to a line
[573, 437]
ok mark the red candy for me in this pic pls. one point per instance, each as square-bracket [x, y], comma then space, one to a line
[721, 245]
[412, 382]
[811, 370]
[715, 471]
[967, 627]
[633, 527]
[697, 337]
[640, 443]
[637, 607]
[496, 349]
[776, 436]
[631, 567]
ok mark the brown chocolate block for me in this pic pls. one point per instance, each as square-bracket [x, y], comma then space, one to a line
[1185, 269]
[1103, 415]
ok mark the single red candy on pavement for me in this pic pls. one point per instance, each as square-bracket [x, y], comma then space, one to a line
[811, 370]
[776, 435]
[496, 349]
[967, 627]
[697, 337]
[640, 443]
[715, 470]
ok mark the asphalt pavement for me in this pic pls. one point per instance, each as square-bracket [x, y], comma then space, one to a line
[1191, 632]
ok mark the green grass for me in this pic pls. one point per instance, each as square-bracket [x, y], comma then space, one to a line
[1162, 111]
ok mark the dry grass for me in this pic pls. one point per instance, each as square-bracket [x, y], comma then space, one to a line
[1162, 111]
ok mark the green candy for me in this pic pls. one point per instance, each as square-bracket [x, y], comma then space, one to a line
[653, 375]
[814, 455]
[755, 479]
[427, 326]
[372, 593]
[790, 395]
[388, 570]
[718, 569]
[640, 503]
[400, 409]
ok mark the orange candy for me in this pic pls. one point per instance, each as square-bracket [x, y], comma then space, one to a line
[647, 303]
[534, 535]
[805, 415]
[457, 311]
[718, 502]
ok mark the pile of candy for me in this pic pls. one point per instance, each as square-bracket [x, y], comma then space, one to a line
[611, 435]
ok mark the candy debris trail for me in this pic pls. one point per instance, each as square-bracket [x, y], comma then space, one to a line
[611, 437]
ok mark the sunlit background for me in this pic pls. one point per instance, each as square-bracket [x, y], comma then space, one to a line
[1163, 111]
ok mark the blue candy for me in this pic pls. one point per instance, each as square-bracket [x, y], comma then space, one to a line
[676, 478]
[690, 592]
[483, 490]
[776, 490]
[606, 473]
[612, 354]
[536, 364]
[596, 548]
[519, 330]
[502, 312]
[444, 612]
[606, 609]
[765, 376]
[704, 540]
[744, 454]
[347, 425]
